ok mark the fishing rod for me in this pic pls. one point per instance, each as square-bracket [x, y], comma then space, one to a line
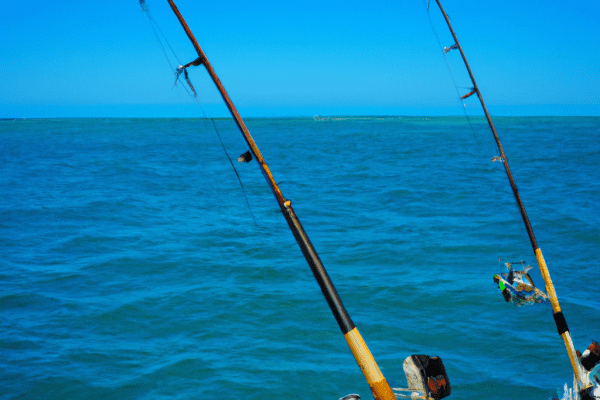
[559, 319]
[377, 382]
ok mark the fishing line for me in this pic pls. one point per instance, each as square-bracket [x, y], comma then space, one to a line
[450, 71]
[496, 151]
[163, 35]
[228, 157]
[160, 42]
[177, 73]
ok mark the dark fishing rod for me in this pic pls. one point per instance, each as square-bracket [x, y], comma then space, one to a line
[559, 319]
[379, 386]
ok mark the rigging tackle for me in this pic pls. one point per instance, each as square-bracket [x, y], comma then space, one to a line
[183, 69]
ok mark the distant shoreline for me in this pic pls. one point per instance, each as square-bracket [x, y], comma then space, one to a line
[318, 118]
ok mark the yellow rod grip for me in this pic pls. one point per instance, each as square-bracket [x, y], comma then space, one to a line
[547, 280]
[556, 309]
[379, 386]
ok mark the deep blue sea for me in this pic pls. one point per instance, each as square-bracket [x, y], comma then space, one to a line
[132, 265]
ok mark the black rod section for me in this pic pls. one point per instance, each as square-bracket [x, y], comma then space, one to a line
[308, 250]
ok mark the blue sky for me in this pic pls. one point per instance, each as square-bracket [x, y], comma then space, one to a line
[275, 58]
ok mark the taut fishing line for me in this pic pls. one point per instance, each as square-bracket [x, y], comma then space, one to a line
[444, 52]
[155, 26]
[177, 72]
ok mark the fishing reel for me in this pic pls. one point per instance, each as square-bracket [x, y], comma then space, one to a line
[590, 357]
[590, 361]
[427, 378]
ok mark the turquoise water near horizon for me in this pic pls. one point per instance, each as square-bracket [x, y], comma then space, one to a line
[132, 266]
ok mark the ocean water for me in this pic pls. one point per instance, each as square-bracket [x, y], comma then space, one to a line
[134, 266]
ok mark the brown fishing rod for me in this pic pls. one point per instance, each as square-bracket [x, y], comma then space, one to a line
[559, 319]
[377, 382]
